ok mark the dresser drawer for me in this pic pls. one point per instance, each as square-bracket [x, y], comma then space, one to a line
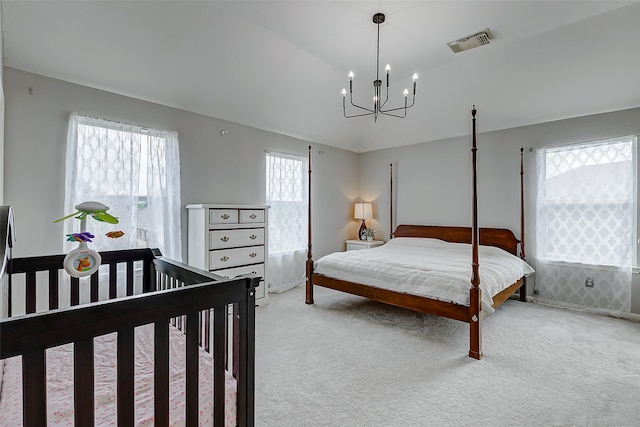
[219, 239]
[230, 273]
[251, 215]
[227, 258]
[223, 216]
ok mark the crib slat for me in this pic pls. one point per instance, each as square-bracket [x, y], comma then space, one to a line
[53, 289]
[200, 320]
[125, 362]
[34, 393]
[207, 319]
[113, 280]
[130, 277]
[244, 341]
[161, 373]
[192, 371]
[219, 351]
[94, 286]
[31, 292]
[149, 277]
[240, 360]
[75, 291]
[83, 383]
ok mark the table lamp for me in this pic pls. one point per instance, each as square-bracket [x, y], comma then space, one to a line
[362, 211]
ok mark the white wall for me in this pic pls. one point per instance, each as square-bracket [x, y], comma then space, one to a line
[214, 168]
[433, 180]
[1, 111]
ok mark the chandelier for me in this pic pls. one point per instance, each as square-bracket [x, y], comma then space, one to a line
[378, 103]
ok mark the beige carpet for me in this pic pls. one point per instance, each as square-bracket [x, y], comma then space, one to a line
[346, 361]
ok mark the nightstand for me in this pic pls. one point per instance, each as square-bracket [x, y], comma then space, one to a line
[353, 245]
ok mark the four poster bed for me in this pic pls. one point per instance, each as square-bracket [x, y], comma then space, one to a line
[428, 268]
[165, 353]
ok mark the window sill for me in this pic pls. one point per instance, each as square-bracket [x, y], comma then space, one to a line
[634, 270]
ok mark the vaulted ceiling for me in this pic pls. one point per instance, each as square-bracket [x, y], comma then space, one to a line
[281, 65]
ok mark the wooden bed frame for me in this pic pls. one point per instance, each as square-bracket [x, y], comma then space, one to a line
[471, 314]
[195, 301]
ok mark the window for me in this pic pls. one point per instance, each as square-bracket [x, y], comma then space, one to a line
[586, 224]
[286, 194]
[586, 203]
[133, 170]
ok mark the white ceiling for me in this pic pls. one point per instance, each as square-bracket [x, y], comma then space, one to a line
[281, 65]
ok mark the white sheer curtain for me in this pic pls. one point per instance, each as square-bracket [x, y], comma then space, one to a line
[133, 170]
[288, 201]
[586, 221]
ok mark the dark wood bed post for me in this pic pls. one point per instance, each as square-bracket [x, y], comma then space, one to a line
[309, 265]
[523, 288]
[390, 200]
[475, 321]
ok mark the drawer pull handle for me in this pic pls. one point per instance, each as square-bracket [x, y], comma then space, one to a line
[253, 237]
[224, 216]
[224, 258]
[253, 254]
[253, 216]
[254, 272]
[224, 239]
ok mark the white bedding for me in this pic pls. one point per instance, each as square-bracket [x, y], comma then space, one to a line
[431, 268]
[60, 384]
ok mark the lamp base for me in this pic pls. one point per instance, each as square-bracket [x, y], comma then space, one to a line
[363, 227]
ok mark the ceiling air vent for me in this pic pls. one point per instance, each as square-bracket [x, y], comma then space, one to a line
[469, 42]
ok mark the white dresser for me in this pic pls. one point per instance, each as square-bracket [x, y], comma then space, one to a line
[230, 240]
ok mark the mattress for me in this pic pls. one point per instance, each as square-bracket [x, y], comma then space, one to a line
[60, 384]
[427, 267]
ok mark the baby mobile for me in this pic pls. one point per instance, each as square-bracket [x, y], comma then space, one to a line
[83, 261]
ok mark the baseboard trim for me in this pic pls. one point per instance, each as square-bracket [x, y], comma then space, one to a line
[634, 317]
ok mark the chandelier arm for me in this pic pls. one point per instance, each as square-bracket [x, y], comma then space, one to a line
[357, 115]
[363, 108]
[357, 106]
[396, 109]
[404, 114]
[344, 110]
[386, 113]
[386, 99]
[413, 101]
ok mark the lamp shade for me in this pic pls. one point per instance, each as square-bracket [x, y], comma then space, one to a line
[362, 211]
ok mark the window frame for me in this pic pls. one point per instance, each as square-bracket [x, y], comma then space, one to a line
[635, 256]
[119, 139]
[303, 202]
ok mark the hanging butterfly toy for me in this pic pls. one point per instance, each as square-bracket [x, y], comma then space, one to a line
[83, 261]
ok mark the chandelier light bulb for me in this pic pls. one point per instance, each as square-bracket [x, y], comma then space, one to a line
[387, 68]
[344, 92]
[350, 75]
[415, 77]
[406, 93]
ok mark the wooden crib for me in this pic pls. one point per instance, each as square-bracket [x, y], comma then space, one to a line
[159, 292]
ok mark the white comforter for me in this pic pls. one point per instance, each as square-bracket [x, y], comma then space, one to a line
[431, 268]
